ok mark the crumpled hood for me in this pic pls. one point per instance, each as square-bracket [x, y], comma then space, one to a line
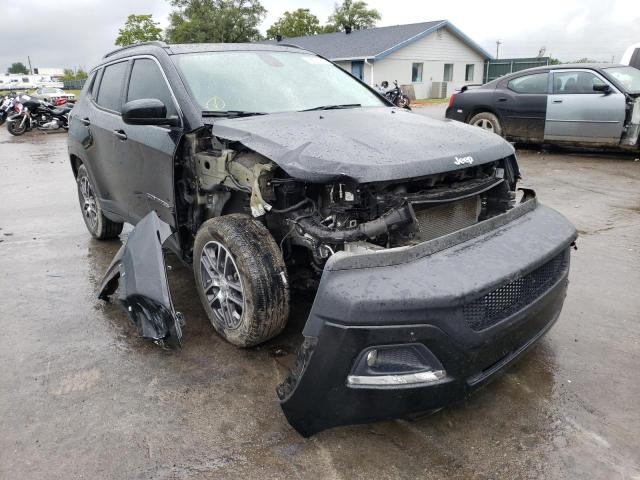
[364, 144]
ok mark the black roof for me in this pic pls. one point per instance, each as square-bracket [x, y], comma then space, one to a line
[562, 66]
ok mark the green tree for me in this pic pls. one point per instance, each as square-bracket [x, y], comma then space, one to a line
[354, 14]
[18, 67]
[224, 21]
[328, 28]
[138, 28]
[70, 74]
[299, 23]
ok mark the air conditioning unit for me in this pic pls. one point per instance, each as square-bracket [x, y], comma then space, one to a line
[439, 89]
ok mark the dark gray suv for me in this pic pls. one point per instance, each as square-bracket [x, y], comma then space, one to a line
[269, 168]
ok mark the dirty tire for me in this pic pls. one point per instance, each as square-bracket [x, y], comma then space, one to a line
[487, 121]
[262, 276]
[99, 226]
[14, 128]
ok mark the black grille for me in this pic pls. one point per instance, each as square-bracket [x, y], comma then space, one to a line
[508, 299]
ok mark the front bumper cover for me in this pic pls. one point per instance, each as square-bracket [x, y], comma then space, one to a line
[418, 295]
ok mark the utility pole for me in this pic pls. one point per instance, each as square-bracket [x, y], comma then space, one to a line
[498, 43]
[30, 69]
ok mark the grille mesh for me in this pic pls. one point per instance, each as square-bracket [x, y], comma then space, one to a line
[434, 222]
[508, 299]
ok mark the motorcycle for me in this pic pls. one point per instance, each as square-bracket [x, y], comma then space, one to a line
[6, 106]
[32, 113]
[394, 95]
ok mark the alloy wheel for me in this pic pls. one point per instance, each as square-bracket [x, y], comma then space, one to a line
[89, 206]
[222, 284]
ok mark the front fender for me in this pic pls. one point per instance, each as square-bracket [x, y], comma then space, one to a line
[139, 269]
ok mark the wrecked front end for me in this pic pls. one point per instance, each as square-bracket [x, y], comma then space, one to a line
[400, 332]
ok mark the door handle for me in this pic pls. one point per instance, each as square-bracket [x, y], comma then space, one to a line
[557, 101]
[85, 121]
[120, 134]
[502, 99]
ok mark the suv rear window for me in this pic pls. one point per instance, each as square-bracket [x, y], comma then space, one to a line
[110, 93]
[536, 83]
[147, 81]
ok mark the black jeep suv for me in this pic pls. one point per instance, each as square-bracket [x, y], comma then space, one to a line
[268, 166]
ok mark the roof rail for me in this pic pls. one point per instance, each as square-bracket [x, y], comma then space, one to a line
[292, 45]
[156, 43]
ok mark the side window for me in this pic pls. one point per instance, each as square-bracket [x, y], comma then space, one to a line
[575, 82]
[88, 85]
[110, 92]
[147, 81]
[536, 83]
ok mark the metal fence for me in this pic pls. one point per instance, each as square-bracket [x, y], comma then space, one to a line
[74, 84]
[497, 68]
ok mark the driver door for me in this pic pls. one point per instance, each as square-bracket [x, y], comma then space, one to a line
[150, 149]
[578, 113]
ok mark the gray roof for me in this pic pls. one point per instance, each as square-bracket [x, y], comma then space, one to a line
[374, 43]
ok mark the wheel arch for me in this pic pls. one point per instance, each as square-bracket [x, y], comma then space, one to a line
[75, 164]
[482, 109]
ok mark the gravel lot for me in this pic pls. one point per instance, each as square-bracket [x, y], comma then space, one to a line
[81, 396]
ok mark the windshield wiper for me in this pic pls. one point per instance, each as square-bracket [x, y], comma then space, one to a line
[333, 107]
[230, 113]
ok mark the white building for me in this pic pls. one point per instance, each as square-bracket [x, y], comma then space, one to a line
[417, 54]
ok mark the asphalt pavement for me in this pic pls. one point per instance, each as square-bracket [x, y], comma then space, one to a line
[81, 396]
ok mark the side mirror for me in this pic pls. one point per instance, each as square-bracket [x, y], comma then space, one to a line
[147, 111]
[602, 87]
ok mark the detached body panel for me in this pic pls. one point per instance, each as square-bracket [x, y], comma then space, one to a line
[139, 269]
[475, 303]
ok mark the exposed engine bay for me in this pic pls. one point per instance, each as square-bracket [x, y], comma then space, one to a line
[311, 221]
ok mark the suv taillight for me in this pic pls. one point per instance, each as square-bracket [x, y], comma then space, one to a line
[451, 99]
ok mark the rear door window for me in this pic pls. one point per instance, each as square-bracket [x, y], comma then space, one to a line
[110, 92]
[536, 83]
[147, 81]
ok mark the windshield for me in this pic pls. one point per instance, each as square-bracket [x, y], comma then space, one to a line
[628, 77]
[51, 90]
[269, 82]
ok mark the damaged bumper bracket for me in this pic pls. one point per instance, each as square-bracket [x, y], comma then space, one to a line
[139, 270]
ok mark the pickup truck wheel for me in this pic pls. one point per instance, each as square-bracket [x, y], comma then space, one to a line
[241, 279]
[99, 226]
[487, 121]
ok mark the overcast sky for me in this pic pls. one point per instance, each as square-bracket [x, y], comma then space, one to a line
[71, 33]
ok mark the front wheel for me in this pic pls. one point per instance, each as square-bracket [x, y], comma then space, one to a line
[487, 121]
[17, 126]
[241, 278]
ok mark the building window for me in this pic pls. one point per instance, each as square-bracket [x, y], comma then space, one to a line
[357, 69]
[448, 72]
[416, 72]
[468, 73]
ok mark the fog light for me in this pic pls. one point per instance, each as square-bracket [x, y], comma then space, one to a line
[399, 365]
